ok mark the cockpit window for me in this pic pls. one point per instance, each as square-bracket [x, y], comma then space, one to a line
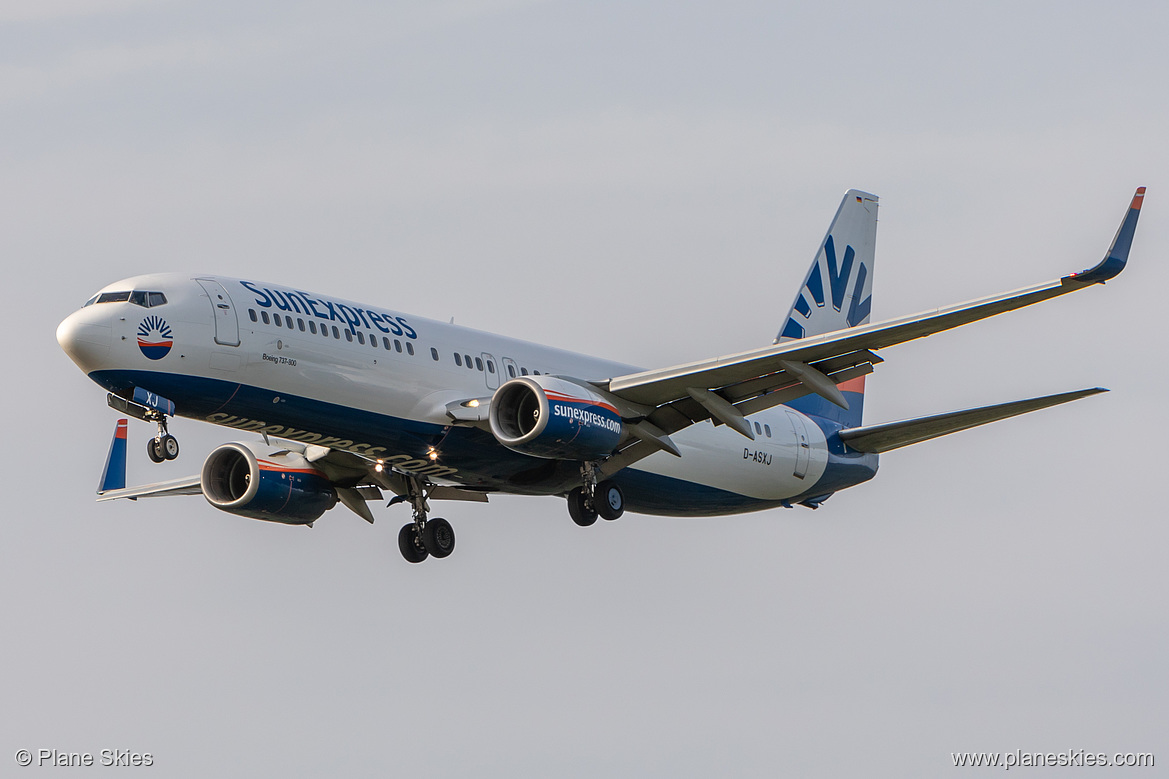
[113, 297]
[138, 297]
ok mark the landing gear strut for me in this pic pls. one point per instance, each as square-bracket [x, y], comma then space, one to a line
[163, 446]
[423, 537]
[593, 499]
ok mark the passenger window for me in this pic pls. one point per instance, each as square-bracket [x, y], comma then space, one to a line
[458, 360]
[467, 358]
[490, 367]
[373, 341]
[758, 430]
[157, 299]
[288, 319]
[300, 324]
[535, 373]
[523, 371]
[479, 363]
[397, 346]
[264, 315]
[767, 430]
[511, 371]
[349, 336]
[312, 327]
[434, 353]
[409, 348]
[252, 314]
[386, 343]
[336, 333]
[277, 320]
[361, 338]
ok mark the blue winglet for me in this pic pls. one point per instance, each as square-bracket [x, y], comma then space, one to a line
[114, 475]
[1117, 256]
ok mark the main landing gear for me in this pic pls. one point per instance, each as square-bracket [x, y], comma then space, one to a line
[593, 499]
[163, 446]
[423, 537]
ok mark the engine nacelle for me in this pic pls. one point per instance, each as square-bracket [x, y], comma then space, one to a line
[242, 478]
[548, 417]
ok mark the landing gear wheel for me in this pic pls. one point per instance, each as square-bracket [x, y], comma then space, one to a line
[580, 509]
[610, 502]
[170, 447]
[155, 451]
[410, 545]
[438, 537]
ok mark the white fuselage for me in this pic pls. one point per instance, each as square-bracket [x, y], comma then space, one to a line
[378, 383]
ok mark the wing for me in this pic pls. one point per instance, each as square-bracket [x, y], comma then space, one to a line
[727, 388]
[188, 485]
[355, 478]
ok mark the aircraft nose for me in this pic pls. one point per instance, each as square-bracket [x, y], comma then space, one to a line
[85, 341]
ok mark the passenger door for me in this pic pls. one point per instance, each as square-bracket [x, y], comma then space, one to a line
[226, 323]
[490, 371]
[803, 446]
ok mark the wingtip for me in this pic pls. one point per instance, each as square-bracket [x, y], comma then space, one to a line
[1117, 255]
[114, 474]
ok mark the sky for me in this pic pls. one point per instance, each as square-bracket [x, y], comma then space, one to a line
[646, 182]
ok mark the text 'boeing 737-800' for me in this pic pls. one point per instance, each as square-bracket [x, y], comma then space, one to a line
[347, 402]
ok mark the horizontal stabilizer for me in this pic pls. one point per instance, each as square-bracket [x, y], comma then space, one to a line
[894, 435]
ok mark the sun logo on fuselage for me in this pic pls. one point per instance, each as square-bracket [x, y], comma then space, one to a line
[154, 337]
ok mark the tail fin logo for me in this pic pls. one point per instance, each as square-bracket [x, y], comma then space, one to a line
[154, 337]
[840, 273]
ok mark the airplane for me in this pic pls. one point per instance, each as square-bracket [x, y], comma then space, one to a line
[350, 401]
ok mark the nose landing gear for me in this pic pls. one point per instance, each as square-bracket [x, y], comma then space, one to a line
[163, 446]
[150, 408]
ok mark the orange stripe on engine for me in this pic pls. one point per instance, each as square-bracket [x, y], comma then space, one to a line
[573, 399]
[265, 465]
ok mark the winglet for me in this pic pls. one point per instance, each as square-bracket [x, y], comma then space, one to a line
[1117, 256]
[113, 477]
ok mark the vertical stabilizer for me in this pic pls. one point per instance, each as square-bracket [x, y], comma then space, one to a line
[837, 293]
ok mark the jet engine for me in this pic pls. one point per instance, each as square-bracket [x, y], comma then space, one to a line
[548, 417]
[245, 479]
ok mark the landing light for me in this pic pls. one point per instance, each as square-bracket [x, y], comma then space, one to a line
[432, 454]
[379, 467]
[473, 403]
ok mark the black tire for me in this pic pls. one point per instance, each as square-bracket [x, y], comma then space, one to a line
[154, 450]
[579, 508]
[170, 447]
[610, 501]
[439, 537]
[408, 545]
